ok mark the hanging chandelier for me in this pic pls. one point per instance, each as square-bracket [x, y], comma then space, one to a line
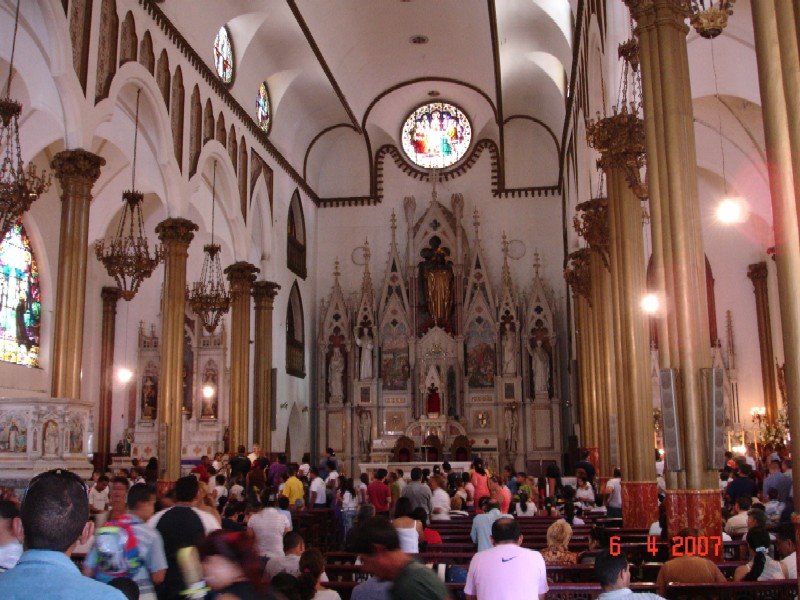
[209, 297]
[19, 185]
[126, 256]
[710, 17]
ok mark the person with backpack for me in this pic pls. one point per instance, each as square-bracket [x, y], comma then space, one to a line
[127, 547]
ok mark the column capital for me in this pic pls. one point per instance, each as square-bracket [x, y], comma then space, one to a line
[110, 294]
[176, 231]
[681, 9]
[264, 291]
[578, 275]
[591, 223]
[757, 272]
[77, 163]
[241, 276]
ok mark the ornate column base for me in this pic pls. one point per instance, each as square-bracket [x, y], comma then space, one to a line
[697, 509]
[639, 503]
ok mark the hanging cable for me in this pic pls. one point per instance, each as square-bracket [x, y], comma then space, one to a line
[13, 50]
[213, 198]
[135, 140]
[719, 119]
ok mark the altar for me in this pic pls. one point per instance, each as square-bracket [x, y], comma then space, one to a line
[440, 364]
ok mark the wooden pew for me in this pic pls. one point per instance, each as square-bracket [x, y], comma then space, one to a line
[785, 589]
[649, 570]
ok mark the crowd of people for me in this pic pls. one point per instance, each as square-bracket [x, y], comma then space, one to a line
[228, 530]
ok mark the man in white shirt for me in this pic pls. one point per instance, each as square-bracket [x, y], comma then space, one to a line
[507, 571]
[737, 524]
[316, 489]
[269, 526]
[256, 453]
[440, 499]
[786, 546]
[98, 496]
[614, 495]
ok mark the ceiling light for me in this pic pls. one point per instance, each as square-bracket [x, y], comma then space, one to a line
[418, 39]
[208, 391]
[650, 304]
[124, 374]
[731, 211]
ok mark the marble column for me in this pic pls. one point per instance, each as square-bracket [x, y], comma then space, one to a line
[677, 236]
[264, 293]
[777, 66]
[241, 276]
[757, 273]
[175, 234]
[110, 296]
[76, 170]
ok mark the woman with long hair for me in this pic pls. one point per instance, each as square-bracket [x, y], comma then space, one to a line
[312, 565]
[409, 530]
[479, 479]
[760, 567]
[525, 508]
[230, 566]
[346, 500]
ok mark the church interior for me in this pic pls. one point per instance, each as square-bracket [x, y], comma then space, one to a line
[407, 231]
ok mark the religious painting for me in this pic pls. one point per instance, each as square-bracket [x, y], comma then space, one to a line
[188, 375]
[509, 391]
[149, 399]
[395, 367]
[50, 436]
[20, 302]
[13, 434]
[223, 55]
[209, 405]
[75, 433]
[481, 354]
[365, 396]
[263, 107]
[436, 135]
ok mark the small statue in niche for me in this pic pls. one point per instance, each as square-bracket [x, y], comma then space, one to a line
[509, 351]
[366, 345]
[365, 431]
[51, 438]
[433, 402]
[541, 370]
[511, 426]
[335, 372]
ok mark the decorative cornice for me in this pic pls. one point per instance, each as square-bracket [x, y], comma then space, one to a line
[77, 163]
[176, 231]
[620, 140]
[264, 291]
[222, 91]
[591, 223]
[757, 272]
[241, 276]
[578, 275]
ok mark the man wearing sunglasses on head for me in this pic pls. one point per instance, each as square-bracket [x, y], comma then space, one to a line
[54, 519]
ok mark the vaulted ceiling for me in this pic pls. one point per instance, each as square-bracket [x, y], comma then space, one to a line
[344, 74]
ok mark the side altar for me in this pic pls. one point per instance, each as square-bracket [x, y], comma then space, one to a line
[439, 365]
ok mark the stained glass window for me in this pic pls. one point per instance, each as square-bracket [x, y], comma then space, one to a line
[223, 55]
[20, 303]
[436, 135]
[263, 108]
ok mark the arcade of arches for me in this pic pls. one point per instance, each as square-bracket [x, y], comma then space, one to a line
[506, 229]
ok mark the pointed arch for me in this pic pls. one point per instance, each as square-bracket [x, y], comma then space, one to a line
[296, 237]
[242, 172]
[128, 42]
[147, 57]
[233, 146]
[107, 49]
[295, 334]
[162, 76]
[80, 28]
[195, 130]
[208, 121]
[176, 113]
[220, 134]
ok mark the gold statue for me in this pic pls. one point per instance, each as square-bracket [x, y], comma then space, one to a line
[438, 281]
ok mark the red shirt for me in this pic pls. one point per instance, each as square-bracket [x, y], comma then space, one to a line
[432, 536]
[202, 472]
[379, 494]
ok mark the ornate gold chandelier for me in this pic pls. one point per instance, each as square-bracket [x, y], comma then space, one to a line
[710, 17]
[209, 297]
[126, 256]
[19, 185]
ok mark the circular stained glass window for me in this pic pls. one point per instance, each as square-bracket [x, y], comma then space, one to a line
[436, 135]
[263, 108]
[223, 55]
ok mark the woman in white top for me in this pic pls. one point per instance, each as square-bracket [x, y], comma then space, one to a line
[409, 530]
[525, 508]
[361, 489]
[584, 492]
[346, 499]
[761, 567]
[469, 488]
[312, 566]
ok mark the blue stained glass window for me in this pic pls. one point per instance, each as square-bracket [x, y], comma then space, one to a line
[436, 135]
[20, 302]
[223, 55]
[263, 107]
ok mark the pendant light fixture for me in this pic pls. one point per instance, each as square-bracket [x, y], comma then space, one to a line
[209, 297]
[126, 256]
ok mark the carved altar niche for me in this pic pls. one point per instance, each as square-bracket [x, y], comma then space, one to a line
[335, 346]
[437, 365]
[480, 329]
[540, 341]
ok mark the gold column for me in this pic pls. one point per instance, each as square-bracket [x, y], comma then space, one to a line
[264, 293]
[675, 219]
[757, 273]
[776, 63]
[76, 170]
[241, 276]
[581, 340]
[175, 234]
[110, 296]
